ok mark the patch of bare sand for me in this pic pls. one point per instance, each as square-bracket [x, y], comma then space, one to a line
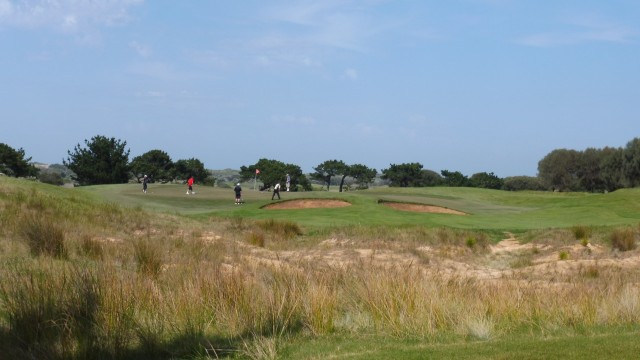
[422, 208]
[307, 204]
[525, 264]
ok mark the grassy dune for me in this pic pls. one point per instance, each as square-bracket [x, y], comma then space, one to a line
[109, 272]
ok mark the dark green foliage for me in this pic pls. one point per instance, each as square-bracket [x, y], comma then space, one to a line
[486, 181]
[14, 163]
[631, 163]
[51, 178]
[328, 169]
[183, 169]
[431, 178]
[520, 183]
[103, 161]
[455, 178]
[404, 175]
[593, 170]
[274, 171]
[362, 174]
[156, 164]
[559, 170]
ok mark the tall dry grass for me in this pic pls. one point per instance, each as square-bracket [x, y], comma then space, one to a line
[133, 286]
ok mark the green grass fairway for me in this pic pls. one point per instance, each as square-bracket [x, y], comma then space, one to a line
[490, 210]
[613, 344]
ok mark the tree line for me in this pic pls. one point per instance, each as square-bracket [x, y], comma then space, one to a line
[104, 160]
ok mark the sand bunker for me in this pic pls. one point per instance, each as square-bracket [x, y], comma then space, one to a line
[307, 204]
[421, 208]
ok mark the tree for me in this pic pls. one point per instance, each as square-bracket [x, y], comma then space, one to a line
[329, 169]
[103, 161]
[520, 183]
[183, 169]
[403, 175]
[431, 178]
[156, 164]
[454, 178]
[612, 168]
[632, 163]
[274, 171]
[14, 163]
[486, 181]
[589, 171]
[362, 174]
[558, 170]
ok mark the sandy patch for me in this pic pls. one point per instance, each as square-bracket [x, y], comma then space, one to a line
[422, 208]
[307, 204]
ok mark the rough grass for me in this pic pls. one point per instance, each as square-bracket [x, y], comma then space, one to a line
[135, 284]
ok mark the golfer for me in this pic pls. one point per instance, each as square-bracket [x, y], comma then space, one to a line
[145, 181]
[190, 183]
[276, 191]
[238, 191]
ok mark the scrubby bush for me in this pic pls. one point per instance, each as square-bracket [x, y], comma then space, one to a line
[623, 239]
[520, 183]
[43, 236]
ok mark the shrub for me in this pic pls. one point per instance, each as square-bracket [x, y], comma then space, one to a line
[563, 255]
[256, 238]
[286, 229]
[581, 232]
[43, 236]
[91, 247]
[51, 178]
[623, 239]
[148, 256]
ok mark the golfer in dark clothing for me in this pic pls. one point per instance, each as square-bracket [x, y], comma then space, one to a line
[145, 180]
[276, 191]
[238, 191]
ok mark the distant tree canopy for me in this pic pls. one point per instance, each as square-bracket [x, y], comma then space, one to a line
[454, 178]
[156, 164]
[404, 175]
[183, 169]
[520, 183]
[14, 163]
[103, 161]
[328, 169]
[274, 171]
[486, 180]
[593, 170]
[361, 174]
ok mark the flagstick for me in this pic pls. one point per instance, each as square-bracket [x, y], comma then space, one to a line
[255, 178]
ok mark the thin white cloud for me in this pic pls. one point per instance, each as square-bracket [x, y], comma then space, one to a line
[351, 74]
[584, 31]
[64, 15]
[142, 50]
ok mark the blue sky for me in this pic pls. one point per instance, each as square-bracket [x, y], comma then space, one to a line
[462, 85]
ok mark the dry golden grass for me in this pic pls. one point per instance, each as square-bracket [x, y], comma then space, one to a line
[162, 286]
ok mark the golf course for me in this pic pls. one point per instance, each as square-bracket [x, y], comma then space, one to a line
[109, 271]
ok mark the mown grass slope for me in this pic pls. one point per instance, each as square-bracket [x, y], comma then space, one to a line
[491, 210]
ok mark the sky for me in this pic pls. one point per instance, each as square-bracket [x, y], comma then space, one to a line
[459, 85]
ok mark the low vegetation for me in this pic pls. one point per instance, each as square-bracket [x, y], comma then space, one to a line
[83, 278]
